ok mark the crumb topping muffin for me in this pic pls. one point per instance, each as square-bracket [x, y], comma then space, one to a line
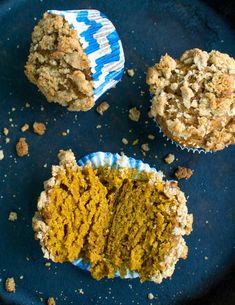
[194, 98]
[58, 65]
[117, 219]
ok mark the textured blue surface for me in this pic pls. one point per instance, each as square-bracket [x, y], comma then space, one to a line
[147, 30]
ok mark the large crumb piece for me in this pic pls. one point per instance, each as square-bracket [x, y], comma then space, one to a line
[130, 72]
[58, 65]
[194, 98]
[183, 173]
[134, 114]
[102, 107]
[51, 301]
[22, 147]
[10, 284]
[5, 131]
[12, 216]
[39, 128]
[1, 155]
[170, 158]
[24, 127]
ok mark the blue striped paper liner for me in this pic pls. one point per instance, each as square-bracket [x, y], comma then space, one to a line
[98, 159]
[102, 45]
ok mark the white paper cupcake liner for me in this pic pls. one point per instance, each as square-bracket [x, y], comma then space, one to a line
[102, 45]
[114, 161]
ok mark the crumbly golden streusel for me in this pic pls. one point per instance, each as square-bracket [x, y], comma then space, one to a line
[134, 114]
[10, 285]
[104, 106]
[22, 147]
[183, 172]
[25, 127]
[12, 216]
[39, 128]
[194, 98]
[58, 65]
[51, 301]
[113, 218]
[5, 131]
[170, 158]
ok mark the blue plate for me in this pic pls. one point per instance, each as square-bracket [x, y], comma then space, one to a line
[147, 29]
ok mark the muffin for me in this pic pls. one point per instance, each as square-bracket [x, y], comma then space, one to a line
[194, 99]
[114, 216]
[75, 56]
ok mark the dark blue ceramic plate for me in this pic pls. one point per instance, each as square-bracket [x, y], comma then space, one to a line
[147, 29]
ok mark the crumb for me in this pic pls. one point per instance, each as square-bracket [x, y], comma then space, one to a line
[64, 133]
[206, 258]
[151, 137]
[1, 155]
[51, 301]
[10, 284]
[22, 147]
[5, 131]
[183, 173]
[27, 105]
[170, 158]
[48, 264]
[42, 108]
[7, 140]
[24, 127]
[39, 128]
[145, 147]
[150, 296]
[124, 141]
[81, 291]
[102, 107]
[135, 142]
[130, 72]
[98, 126]
[134, 114]
[12, 216]
[21, 277]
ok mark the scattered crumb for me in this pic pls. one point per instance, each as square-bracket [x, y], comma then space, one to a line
[27, 105]
[64, 133]
[1, 155]
[51, 301]
[10, 284]
[183, 173]
[21, 277]
[150, 296]
[81, 291]
[124, 141]
[102, 107]
[151, 137]
[98, 126]
[206, 258]
[5, 131]
[7, 140]
[22, 147]
[135, 142]
[130, 72]
[48, 264]
[145, 147]
[24, 127]
[170, 158]
[39, 128]
[134, 114]
[12, 216]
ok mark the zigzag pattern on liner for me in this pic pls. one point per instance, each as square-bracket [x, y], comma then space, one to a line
[102, 46]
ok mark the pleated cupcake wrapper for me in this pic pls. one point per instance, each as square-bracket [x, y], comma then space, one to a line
[114, 161]
[194, 150]
[102, 45]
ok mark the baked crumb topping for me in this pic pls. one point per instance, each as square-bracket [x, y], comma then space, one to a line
[134, 114]
[22, 147]
[58, 65]
[10, 285]
[51, 301]
[170, 158]
[115, 219]
[194, 98]
[39, 128]
[12, 216]
[183, 173]
[102, 107]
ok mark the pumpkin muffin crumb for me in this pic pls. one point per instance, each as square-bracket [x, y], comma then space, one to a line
[101, 215]
[183, 173]
[39, 128]
[130, 72]
[12, 216]
[10, 285]
[1, 155]
[22, 147]
[51, 301]
[150, 296]
[124, 141]
[7, 140]
[170, 158]
[101, 108]
[25, 127]
[134, 114]
[145, 147]
[5, 131]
